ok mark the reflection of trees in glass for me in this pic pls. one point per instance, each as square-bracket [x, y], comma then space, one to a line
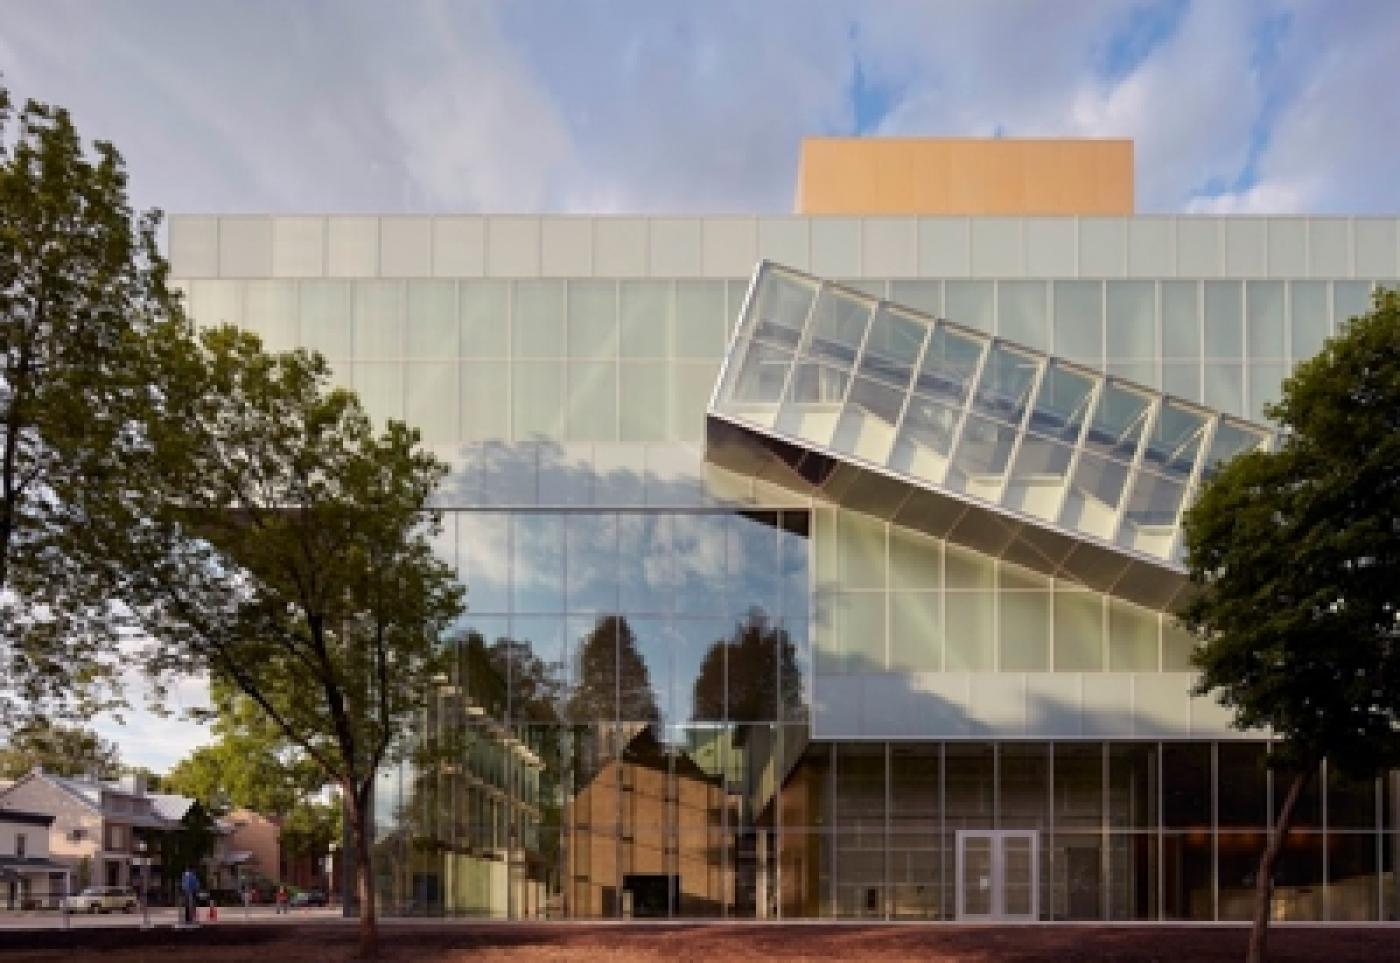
[763, 674]
[612, 677]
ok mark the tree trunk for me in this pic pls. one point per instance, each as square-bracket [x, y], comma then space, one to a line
[364, 878]
[1264, 883]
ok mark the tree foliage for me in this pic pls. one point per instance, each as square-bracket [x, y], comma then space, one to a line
[59, 749]
[1295, 558]
[250, 765]
[296, 566]
[82, 294]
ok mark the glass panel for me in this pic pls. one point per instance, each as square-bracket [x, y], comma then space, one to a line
[1310, 320]
[925, 439]
[270, 309]
[483, 552]
[1131, 320]
[537, 399]
[537, 552]
[971, 303]
[1004, 388]
[860, 830]
[1118, 422]
[1265, 388]
[969, 785]
[1150, 515]
[432, 320]
[1224, 317]
[537, 319]
[971, 636]
[484, 309]
[1181, 319]
[1132, 786]
[862, 548]
[592, 319]
[1224, 387]
[1182, 379]
[1187, 785]
[484, 385]
[950, 363]
[762, 373]
[1078, 785]
[1243, 785]
[981, 458]
[1061, 404]
[778, 312]
[1351, 803]
[1018, 870]
[1023, 798]
[916, 560]
[1021, 314]
[1265, 318]
[1349, 299]
[431, 402]
[925, 296]
[1132, 638]
[645, 313]
[1229, 441]
[1298, 880]
[1079, 323]
[691, 385]
[1024, 602]
[916, 631]
[380, 387]
[326, 318]
[699, 556]
[915, 846]
[1353, 885]
[643, 401]
[1078, 630]
[700, 320]
[976, 882]
[838, 326]
[1133, 868]
[592, 404]
[968, 569]
[860, 631]
[592, 562]
[892, 348]
[1187, 876]
[752, 564]
[378, 319]
[1177, 646]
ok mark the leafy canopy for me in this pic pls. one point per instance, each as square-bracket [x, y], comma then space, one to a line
[59, 749]
[1296, 557]
[82, 294]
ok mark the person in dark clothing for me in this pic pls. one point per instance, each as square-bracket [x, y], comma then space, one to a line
[189, 890]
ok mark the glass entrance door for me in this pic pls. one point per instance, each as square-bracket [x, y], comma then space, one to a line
[996, 873]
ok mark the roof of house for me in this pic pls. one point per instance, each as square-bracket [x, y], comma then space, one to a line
[170, 806]
[166, 809]
[28, 818]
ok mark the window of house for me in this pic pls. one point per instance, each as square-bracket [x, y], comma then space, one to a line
[21, 845]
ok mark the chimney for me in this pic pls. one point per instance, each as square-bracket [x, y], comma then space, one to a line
[134, 783]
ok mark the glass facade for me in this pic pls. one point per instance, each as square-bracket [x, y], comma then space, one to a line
[693, 682]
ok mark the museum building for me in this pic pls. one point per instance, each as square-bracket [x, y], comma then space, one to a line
[822, 565]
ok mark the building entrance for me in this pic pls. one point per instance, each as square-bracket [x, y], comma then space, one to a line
[996, 875]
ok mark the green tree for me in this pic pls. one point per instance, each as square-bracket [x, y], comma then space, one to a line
[764, 681]
[306, 578]
[83, 297]
[251, 764]
[613, 680]
[1295, 555]
[59, 749]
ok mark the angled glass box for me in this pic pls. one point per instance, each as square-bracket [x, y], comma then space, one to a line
[991, 444]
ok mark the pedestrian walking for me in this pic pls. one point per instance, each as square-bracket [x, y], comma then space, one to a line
[189, 889]
[281, 900]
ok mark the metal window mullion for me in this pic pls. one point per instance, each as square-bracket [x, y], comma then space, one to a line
[1023, 426]
[956, 441]
[858, 357]
[1194, 479]
[804, 339]
[1095, 394]
[913, 380]
[1154, 414]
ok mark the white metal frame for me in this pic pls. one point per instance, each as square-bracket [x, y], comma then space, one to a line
[997, 879]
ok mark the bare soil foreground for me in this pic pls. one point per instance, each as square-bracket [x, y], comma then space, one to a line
[453, 942]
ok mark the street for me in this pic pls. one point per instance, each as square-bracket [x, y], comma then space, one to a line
[163, 917]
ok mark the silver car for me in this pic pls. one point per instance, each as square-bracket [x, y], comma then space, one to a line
[102, 899]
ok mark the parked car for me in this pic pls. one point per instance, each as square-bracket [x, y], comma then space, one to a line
[103, 899]
[310, 897]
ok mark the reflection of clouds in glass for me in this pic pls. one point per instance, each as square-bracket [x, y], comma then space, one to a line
[483, 540]
[699, 555]
[538, 555]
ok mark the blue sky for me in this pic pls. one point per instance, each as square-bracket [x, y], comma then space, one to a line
[1267, 106]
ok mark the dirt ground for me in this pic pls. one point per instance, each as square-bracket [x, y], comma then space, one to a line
[450, 943]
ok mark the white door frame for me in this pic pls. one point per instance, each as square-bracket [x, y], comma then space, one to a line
[997, 839]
